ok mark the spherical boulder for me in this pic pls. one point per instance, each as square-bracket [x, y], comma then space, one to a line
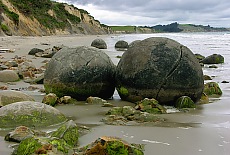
[33, 51]
[159, 68]
[121, 44]
[213, 59]
[80, 72]
[99, 43]
[30, 114]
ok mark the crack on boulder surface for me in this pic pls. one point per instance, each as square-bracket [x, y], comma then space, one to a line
[170, 72]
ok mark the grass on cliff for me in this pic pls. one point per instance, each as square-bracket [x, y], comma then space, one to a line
[124, 28]
[39, 9]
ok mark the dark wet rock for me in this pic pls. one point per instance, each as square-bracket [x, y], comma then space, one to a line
[48, 53]
[3, 67]
[95, 100]
[212, 88]
[22, 132]
[199, 57]
[159, 68]
[213, 59]
[213, 66]
[80, 72]
[150, 106]
[185, 102]
[225, 81]
[30, 114]
[33, 51]
[125, 115]
[50, 99]
[134, 42]
[111, 146]
[8, 76]
[99, 43]
[206, 77]
[68, 132]
[9, 96]
[121, 44]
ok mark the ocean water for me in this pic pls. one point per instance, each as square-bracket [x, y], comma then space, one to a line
[201, 131]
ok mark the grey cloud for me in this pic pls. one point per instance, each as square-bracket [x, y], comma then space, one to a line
[166, 10]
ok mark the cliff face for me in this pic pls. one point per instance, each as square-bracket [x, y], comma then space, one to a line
[34, 18]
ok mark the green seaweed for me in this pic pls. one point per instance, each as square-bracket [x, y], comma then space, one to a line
[28, 146]
[116, 148]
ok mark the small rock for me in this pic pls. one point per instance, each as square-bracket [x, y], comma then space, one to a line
[50, 99]
[206, 77]
[95, 100]
[225, 82]
[8, 76]
[213, 59]
[185, 102]
[212, 66]
[35, 50]
[65, 99]
[111, 146]
[212, 88]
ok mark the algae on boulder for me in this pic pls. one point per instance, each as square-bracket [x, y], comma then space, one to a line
[212, 88]
[80, 72]
[159, 68]
[30, 114]
[111, 146]
[50, 99]
[185, 102]
[68, 132]
[150, 106]
[213, 59]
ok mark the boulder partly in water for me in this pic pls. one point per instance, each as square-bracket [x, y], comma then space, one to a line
[159, 68]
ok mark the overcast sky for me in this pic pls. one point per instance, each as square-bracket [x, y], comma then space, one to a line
[215, 13]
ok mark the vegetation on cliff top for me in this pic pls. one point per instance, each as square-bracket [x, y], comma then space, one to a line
[39, 9]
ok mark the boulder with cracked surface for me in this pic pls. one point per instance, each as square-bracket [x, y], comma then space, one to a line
[80, 72]
[159, 68]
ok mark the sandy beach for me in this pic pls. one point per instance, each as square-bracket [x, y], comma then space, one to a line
[201, 131]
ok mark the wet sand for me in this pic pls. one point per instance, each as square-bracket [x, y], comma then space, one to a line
[202, 131]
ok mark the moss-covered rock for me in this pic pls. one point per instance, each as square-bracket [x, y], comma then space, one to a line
[185, 102]
[68, 132]
[30, 114]
[111, 146]
[28, 146]
[50, 99]
[213, 59]
[204, 99]
[150, 106]
[212, 88]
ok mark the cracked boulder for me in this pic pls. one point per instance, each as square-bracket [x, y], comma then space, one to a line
[80, 72]
[159, 68]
